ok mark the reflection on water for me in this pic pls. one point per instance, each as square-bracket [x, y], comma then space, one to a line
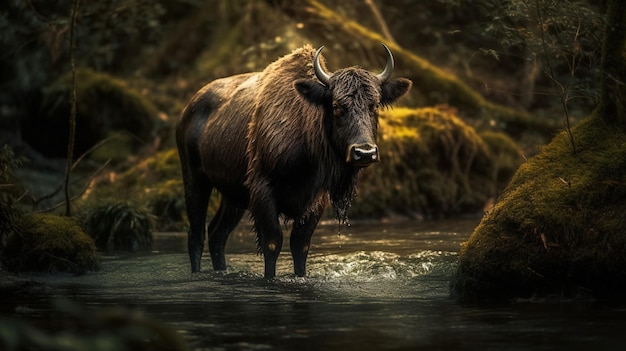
[373, 287]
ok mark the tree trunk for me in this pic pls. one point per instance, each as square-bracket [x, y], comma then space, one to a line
[613, 94]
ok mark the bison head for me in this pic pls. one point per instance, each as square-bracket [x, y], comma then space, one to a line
[351, 98]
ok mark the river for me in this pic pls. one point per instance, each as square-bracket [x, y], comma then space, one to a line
[370, 286]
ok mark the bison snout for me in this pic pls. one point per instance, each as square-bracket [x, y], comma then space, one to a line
[362, 155]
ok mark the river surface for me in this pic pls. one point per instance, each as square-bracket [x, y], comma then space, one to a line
[369, 287]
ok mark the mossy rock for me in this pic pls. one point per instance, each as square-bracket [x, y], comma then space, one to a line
[558, 228]
[433, 164]
[106, 107]
[50, 243]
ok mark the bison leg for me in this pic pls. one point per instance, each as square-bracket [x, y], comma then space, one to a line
[225, 220]
[301, 240]
[269, 235]
[197, 200]
[270, 238]
[197, 193]
[271, 250]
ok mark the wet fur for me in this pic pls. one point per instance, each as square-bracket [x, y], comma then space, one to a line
[271, 142]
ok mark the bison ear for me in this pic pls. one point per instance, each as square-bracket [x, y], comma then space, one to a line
[393, 89]
[312, 91]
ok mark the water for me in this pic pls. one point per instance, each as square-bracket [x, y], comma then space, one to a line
[374, 287]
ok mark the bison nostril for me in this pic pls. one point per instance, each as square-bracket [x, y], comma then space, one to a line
[363, 154]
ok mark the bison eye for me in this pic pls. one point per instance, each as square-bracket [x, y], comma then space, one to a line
[337, 110]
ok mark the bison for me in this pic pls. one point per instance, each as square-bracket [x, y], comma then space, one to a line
[283, 142]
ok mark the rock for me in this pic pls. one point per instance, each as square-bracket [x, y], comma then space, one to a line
[49, 243]
[558, 227]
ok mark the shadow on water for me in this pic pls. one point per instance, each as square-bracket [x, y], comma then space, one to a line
[371, 287]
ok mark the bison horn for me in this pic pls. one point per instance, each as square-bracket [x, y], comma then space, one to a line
[325, 77]
[319, 71]
[386, 73]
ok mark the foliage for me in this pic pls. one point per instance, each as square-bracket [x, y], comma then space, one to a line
[50, 243]
[558, 228]
[613, 93]
[105, 106]
[119, 226]
[156, 182]
[565, 36]
[35, 33]
[432, 85]
[108, 31]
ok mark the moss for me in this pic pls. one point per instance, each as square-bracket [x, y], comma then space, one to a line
[50, 243]
[558, 228]
[106, 106]
[139, 181]
[155, 182]
[433, 164]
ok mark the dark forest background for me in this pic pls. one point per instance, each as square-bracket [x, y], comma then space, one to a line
[525, 69]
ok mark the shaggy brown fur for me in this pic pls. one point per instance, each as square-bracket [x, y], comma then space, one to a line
[275, 143]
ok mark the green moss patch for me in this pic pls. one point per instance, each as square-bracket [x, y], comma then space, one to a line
[558, 228]
[155, 183]
[433, 164]
[50, 243]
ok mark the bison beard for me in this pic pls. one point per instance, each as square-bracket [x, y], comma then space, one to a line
[282, 142]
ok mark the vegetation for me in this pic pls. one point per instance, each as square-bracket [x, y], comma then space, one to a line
[558, 228]
[155, 183]
[106, 107]
[428, 78]
[10, 213]
[119, 226]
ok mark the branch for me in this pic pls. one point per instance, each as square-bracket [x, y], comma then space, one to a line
[381, 21]
[561, 90]
[85, 188]
[72, 127]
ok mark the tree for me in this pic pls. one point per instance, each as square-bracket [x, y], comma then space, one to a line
[613, 81]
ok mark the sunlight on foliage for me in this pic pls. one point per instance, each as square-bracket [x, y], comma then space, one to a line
[433, 164]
